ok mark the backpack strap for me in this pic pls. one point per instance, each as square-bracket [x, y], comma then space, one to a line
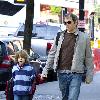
[57, 37]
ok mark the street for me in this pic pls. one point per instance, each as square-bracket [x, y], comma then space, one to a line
[50, 91]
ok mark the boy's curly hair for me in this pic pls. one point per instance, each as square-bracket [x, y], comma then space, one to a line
[23, 54]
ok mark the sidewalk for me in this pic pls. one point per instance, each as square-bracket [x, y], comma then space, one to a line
[50, 90]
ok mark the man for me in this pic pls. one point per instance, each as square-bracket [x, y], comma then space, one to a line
[70, 58]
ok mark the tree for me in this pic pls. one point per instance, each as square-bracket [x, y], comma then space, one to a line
[55, 10]
[28, 25]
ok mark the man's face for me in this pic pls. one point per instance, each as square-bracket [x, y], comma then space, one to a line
[70, 24]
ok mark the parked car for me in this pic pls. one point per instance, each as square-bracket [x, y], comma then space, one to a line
[6, 62]
[8, 47]
[42, 37]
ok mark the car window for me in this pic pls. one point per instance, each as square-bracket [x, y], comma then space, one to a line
[47, 31]
[41, 31]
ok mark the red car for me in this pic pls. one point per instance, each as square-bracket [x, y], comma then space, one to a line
[7, 53]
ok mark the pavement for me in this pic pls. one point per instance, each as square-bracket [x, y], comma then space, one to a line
[50, 90]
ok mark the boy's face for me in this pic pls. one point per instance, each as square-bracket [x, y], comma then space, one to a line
[21, 60]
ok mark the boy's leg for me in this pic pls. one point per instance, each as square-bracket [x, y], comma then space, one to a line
[16, 97]
[25, 97]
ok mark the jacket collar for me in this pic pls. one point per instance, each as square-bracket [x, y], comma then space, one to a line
[76, 33]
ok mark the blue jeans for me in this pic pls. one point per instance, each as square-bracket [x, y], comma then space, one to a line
[69, 85]
[21, 97]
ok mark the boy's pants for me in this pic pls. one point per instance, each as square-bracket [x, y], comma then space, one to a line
[22, 97]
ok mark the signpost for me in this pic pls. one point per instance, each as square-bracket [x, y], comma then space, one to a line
[81, 16]
[81, 24]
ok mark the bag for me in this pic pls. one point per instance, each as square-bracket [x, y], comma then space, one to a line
[9, 90]
[51, 76]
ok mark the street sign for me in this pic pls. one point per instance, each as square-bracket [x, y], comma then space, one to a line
[20, 1]
[81, 24]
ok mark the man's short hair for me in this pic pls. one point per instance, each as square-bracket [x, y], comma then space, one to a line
[73, 16]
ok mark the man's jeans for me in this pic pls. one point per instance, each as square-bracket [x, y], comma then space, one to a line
[69, 85]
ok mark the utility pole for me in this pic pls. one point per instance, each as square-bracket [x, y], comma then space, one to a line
[28, 25]
[81, 16]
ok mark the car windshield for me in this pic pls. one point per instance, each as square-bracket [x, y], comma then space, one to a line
[42, 31]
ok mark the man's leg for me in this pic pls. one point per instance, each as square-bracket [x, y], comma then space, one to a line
[64, 85]
[74, 87]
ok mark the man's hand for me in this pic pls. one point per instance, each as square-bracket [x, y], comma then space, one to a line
[87, 81]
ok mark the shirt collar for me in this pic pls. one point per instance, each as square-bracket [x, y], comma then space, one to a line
[76, 32]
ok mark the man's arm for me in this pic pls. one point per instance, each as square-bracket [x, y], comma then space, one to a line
[50, 60]
[89, 62]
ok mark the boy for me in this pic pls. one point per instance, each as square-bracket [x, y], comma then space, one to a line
[23, 76]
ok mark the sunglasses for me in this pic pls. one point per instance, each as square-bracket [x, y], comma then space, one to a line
[68, 22]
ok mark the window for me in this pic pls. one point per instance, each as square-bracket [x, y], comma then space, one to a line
[41, 31]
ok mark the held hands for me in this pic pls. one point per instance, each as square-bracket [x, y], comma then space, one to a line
[43, 76]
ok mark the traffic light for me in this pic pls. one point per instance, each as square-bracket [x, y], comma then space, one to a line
[20, 1]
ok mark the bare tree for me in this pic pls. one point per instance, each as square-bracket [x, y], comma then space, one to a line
[28, 25]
